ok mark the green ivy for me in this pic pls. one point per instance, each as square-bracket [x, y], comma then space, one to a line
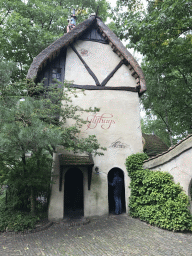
[155, 198]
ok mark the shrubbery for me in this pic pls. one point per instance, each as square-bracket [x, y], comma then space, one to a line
[155, 198]
[14, 220]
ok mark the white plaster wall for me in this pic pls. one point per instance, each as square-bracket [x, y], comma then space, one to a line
[101, 59]
[178, 162]
[75, 70]
[123, 109]
[55, 211]
[116, 125]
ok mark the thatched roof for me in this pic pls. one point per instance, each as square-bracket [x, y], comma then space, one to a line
[53, 50]
[153, 145]
[184, 145]
[75, 160]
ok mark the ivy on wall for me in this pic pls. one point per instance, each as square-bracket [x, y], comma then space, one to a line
[155, 198]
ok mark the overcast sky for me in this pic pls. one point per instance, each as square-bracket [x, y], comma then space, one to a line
[112, 2]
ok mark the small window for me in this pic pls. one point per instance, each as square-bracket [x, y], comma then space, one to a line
[56, 74]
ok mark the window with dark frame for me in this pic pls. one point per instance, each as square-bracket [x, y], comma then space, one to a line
[56, 74]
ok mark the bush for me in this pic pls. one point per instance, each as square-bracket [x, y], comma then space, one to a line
[11, 220]
[155, 198]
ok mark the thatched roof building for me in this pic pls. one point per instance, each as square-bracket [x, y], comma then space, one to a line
[81, 31]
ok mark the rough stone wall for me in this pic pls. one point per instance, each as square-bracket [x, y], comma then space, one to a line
[178, 162]
[116, 125]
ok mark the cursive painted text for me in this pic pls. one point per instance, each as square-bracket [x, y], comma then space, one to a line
[104, 120]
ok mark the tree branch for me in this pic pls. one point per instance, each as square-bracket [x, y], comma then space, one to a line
[1, 23]
[167, 125]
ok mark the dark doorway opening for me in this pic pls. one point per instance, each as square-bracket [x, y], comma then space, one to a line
[73, 194]
[111, 201]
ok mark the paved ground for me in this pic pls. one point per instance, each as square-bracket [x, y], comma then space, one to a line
[115, 235]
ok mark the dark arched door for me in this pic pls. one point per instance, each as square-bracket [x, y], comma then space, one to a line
[111, 200]
[73, 194]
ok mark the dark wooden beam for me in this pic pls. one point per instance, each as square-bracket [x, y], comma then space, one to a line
[93, 87]
[112, 73]
[86, 66]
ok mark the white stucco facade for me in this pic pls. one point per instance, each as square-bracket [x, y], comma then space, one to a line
[116, 125]
[102, 60]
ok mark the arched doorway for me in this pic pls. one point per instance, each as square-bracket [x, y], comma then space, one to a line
[73, 194]
[111, 201]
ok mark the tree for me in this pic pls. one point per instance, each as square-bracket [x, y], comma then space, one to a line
[154, 125]
[29, 113]
[6, 70]
[162, 33]
[27, 27]
[169, 100]
[33, 121]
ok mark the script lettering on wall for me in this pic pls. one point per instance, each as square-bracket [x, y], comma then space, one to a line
[118, 144]
[105, 121]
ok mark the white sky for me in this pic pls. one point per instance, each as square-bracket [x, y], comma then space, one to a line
[113, 2]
